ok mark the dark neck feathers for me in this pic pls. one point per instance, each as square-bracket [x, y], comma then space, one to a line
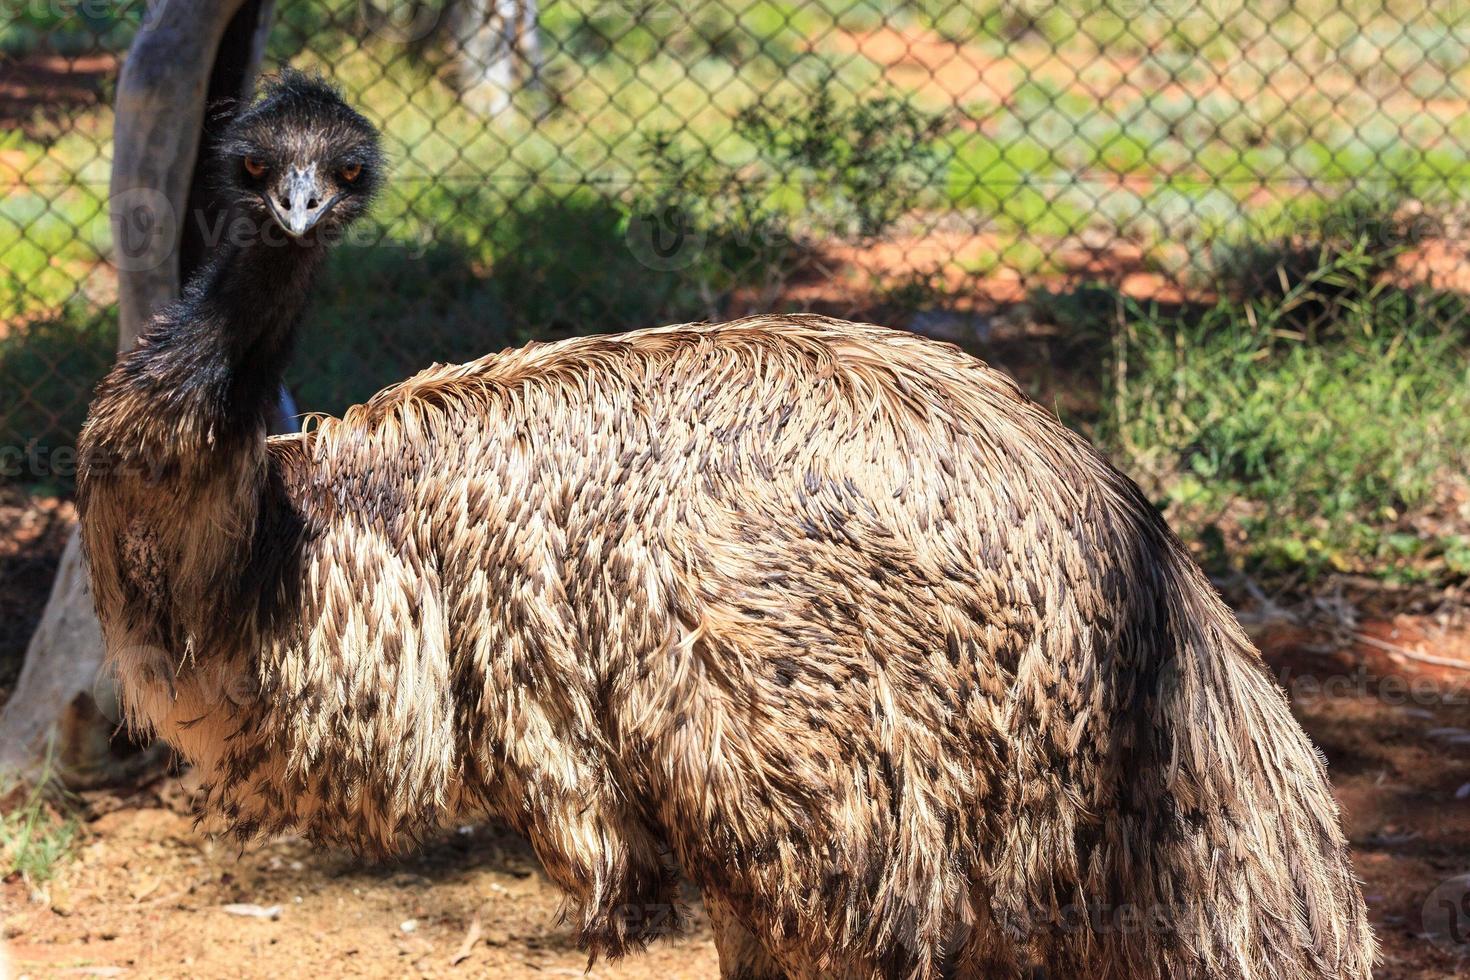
[173, 465]
[194, 397]
[227, 341]
[213, 361]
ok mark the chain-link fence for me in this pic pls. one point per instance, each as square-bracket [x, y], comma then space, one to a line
[589, 165]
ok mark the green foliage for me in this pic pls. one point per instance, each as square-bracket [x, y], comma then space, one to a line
[1318, 446]
[554, 265]
[741, 228]
[1325, 266]
[563, 265]
[386, 309]
[867, 161]
[649, 29]
[68, 27]
[49, 236]
[818, 168]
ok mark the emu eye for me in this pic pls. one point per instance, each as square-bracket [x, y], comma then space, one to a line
[254, 167]
[351, 172]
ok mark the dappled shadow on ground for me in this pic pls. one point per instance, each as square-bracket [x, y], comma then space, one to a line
[1396, 734]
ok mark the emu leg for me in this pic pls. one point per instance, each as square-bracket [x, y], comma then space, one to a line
[741, 956]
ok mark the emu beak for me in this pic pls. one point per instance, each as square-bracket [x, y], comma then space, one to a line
[300, 201]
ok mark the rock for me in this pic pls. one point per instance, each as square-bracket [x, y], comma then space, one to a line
[252, 911]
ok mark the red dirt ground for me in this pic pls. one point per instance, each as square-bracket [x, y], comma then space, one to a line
[970, 74]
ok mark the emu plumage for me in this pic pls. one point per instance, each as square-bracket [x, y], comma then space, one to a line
[827, 617]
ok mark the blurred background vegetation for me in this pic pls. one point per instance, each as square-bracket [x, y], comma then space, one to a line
[1222, 240]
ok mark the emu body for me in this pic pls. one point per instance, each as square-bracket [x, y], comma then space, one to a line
[827, 617]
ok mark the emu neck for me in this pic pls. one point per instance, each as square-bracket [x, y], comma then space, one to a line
[173, 461]
[173, 473]
[229, 339]
[204, 380]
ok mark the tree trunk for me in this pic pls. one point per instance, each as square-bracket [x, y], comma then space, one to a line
[187, 53]
[499, 51]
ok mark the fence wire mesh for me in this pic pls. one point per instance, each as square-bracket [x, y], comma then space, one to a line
[590, 165]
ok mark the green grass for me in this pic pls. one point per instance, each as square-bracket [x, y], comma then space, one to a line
[68, 28]
[1297, 452]
[54, 234]
[1044, 163]
[38, 830]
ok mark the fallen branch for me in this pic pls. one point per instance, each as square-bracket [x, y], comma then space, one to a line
[1423, 658]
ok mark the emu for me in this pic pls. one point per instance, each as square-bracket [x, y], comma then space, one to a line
[826, 617]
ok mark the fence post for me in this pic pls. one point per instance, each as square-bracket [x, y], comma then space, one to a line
[499, 51]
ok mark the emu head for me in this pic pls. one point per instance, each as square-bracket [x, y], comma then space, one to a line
[299, 157]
